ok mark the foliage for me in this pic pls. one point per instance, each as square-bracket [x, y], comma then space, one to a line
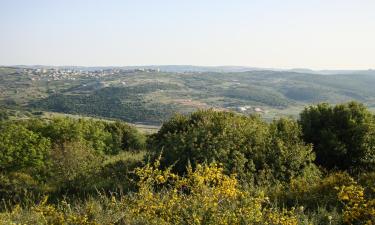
[20, 187]
[260, 95]
[21, 149]
[358, 209]
[96, 172]
[4, 115]
[125, 137]
[244, 145]
[117, 173]
[288, 156]
[204, 196]
[343, 135]
[111, 102]
[103, 137]
[367, 181]
[313, 192]
[64, 156]
[73, 164]
[60, 130]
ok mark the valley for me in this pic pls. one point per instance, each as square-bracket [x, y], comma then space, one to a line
[151, 95]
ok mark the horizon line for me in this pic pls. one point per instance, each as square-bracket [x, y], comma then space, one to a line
[192, 65]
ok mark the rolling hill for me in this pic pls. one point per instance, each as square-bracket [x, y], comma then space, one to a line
[150, 96]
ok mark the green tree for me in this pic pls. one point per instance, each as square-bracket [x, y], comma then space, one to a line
[244, 145]
[102, 136]
[287, 154]
[63, 129]
[21, 148]
[343, 136]
[125, 137]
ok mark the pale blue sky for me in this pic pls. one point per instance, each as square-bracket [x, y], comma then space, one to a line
[318, 34]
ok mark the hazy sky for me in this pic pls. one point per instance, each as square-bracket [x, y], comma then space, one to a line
[318, 34]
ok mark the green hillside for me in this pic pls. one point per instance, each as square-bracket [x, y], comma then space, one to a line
[151, 97]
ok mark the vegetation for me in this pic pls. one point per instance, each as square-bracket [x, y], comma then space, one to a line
[245, 146]
[21, 148]
[208, 167]
[122, 103]
[151, 97]
[343, 136]
[62, 155]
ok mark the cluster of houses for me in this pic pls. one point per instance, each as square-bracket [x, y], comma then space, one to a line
[52, 74]
[248, 108]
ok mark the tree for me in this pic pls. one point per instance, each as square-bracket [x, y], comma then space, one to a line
[244, 145]
[343, 136]
[287, 154]
[125, 137]
[102, 136]
[21, 148]
[63, 129]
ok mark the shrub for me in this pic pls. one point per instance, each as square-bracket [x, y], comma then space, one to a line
[61, 130]
[21, 149]
[343, 136]
[287, 155]
[4, 115]
[314, 193]
[117, 173]
[73, 164]
[367, 181]
[204, 196]
[125, 137]
[18, 187]
[104, 137]
[244, 145]
[358, 209]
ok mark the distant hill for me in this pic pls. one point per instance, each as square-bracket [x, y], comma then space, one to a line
[152, 94]
[192, 68]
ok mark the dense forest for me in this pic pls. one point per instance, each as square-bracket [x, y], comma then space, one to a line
[206, 167]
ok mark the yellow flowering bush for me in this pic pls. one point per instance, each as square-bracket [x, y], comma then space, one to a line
[315, 192]
[205, 195]
[281, 218]
[357, 209]
[202, 196]
[44, 213]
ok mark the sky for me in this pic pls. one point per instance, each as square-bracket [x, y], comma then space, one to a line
[316, 34]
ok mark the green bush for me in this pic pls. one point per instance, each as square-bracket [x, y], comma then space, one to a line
[104, 137]
[244, 145]
[117, 176]
[315, 193]
[21, 149]
[20, 187]
[343, 136]
[125, 137]
[287, 155]
[73, 165]
[63, 129]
